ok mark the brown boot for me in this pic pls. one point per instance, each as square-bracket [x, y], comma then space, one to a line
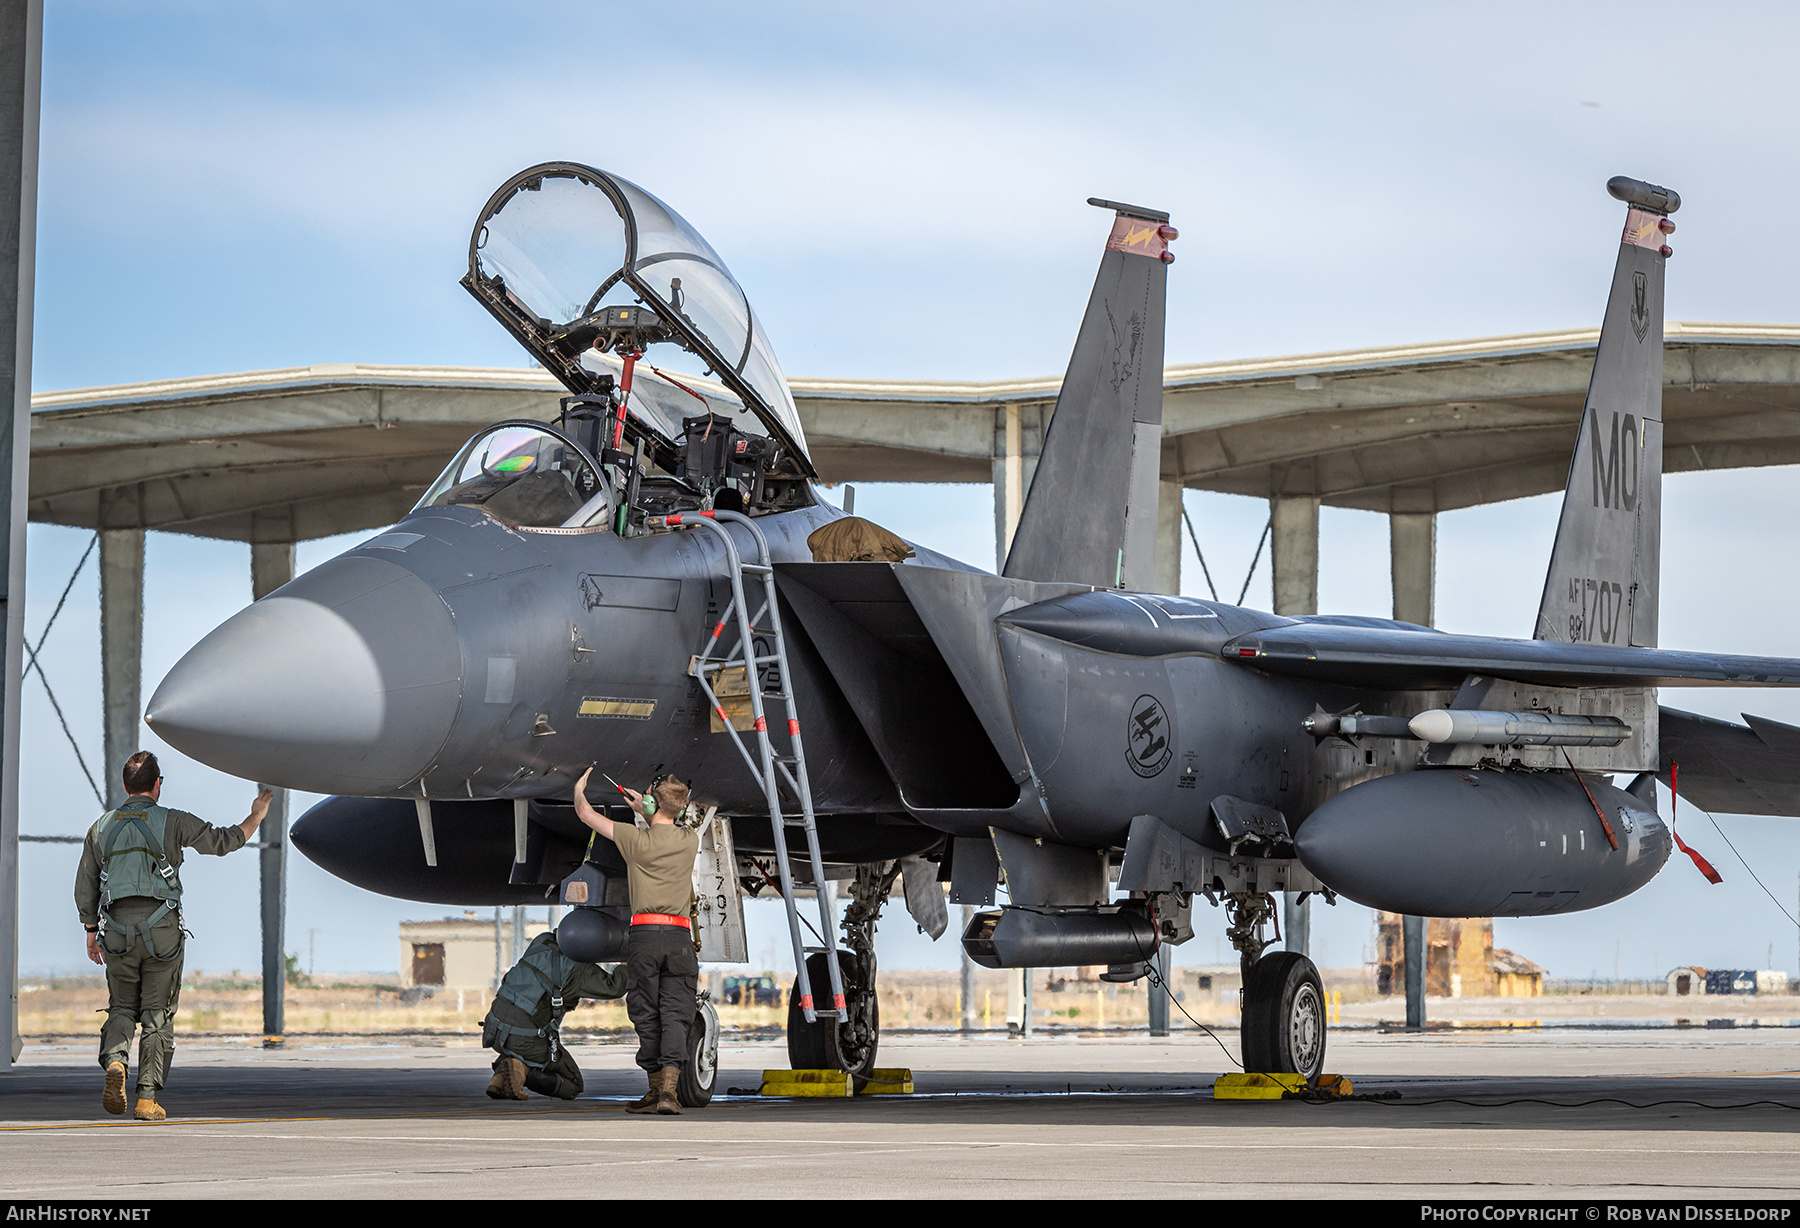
[149, 1110]
[512, 1080]
[113, 1098]
[496, 1088]
[667, 1105]
[646, 1103]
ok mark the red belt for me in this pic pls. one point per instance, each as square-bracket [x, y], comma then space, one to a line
[659, 918]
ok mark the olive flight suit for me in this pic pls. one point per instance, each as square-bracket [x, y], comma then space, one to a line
[526, 1017]
[129, 882]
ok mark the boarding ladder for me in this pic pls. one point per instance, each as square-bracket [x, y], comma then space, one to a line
[773, 770]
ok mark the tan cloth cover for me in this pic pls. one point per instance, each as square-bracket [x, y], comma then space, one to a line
[855, 540]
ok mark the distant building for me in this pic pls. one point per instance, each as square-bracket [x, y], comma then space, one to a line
[457, 953]
[1690, 979]
[1730, 981]
[1460, 960]
[1687, 980]
[1457, 953]
[1515, 976]
[1217, 983]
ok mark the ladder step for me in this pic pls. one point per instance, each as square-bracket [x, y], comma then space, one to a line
[756, 569]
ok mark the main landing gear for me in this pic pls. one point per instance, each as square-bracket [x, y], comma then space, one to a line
[1283, 1026]
[848, 1044]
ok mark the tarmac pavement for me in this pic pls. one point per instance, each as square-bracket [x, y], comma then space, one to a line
[1505, 1114]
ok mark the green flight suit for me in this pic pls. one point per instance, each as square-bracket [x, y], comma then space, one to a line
[524, 1020]
[143, 969]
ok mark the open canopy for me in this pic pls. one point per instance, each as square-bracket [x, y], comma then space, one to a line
[564, 253]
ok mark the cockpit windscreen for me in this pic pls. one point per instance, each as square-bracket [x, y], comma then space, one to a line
[525, 476]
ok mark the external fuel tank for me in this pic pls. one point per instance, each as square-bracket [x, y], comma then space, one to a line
[1476, 843]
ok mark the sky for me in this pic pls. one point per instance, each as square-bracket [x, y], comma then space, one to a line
[900, 188]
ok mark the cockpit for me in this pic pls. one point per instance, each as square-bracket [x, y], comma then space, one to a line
[526, 476]
[676, 401]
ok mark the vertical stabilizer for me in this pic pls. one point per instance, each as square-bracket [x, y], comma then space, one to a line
[1091, 515]
[1603, 578]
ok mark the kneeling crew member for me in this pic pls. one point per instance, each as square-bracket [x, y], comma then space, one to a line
[524, 1024]
[130, 878]
[662, 969]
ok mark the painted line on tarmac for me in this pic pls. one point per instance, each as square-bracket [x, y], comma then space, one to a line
[986, 1142]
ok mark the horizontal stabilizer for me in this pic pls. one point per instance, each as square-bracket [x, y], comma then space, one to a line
[1732, 769]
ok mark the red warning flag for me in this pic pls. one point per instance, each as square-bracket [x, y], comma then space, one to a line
[1700, 863]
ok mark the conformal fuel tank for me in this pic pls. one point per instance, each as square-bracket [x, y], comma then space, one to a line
[1460, 843]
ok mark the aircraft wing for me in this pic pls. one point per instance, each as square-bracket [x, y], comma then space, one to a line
[1397, 658]
[1731, 768]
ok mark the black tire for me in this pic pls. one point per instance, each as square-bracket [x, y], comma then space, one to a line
[833, 1044]
[1283, 1028]
[700, 1073]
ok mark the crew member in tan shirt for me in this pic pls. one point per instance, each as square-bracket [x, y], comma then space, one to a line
[662, 972]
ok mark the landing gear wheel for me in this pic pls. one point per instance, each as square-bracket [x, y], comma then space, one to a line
[1283, 1029]
[694, 1089]
[836, 1044]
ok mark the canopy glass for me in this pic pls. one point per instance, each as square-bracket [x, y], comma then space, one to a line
[561, 243]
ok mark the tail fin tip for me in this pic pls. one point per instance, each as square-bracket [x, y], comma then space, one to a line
[1138, 211]
[1651, 196]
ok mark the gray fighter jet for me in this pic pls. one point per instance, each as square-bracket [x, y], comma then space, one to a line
[631, 587]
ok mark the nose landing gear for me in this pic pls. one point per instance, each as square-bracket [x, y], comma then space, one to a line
[847, 1044]
[700, 1073]
[837, 1044]
[1282, 1030]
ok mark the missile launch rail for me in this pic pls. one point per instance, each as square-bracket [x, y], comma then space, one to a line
[771, 769]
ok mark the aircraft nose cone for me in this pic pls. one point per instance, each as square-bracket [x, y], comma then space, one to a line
[345, 681]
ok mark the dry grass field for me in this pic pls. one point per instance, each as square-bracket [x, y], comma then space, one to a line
[364, 1005]
[232, 1005]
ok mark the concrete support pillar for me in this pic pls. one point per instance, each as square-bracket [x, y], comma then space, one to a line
[1018, 439]
[271, 566]
[1294, 552]
[1412, 939]
[1018, 1002]
[1412, 539]
[21, 56]
[967, 1022]
[1161, 992]
[1296, 922]
[121, 650]
[500, 964]
[1168, 537]
[1294, 557]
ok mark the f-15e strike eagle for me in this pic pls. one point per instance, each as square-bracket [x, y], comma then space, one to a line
[631, 587]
